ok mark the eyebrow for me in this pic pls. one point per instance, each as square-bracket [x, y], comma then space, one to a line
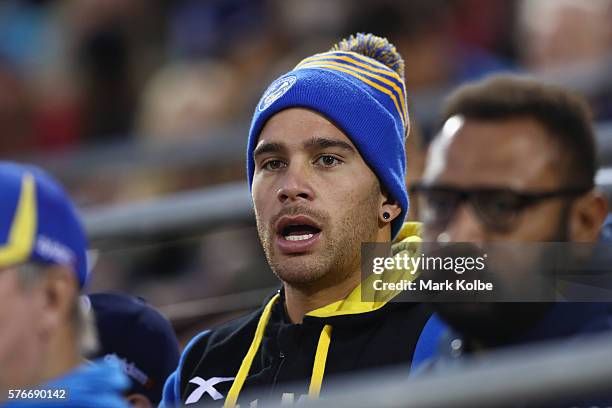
[315, 142]
[322, 143]
[267, 147]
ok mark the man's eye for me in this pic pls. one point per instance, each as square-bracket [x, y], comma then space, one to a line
[500, 205]
[440, 204]
[327, 160]
[273, 165]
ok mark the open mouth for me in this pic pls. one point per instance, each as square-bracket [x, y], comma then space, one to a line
[297, 234]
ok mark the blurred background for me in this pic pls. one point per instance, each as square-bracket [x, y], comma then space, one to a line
[141, 108]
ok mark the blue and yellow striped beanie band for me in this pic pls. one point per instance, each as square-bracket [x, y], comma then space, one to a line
[364, 97]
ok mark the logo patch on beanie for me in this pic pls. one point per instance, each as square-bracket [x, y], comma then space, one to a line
[277, 89]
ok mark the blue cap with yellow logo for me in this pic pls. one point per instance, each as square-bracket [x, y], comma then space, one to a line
[38, 221]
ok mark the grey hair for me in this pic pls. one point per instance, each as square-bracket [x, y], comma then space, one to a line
[82, 318]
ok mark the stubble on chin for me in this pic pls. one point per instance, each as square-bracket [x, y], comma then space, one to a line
[337, 257]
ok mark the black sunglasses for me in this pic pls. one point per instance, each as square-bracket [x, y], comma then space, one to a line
[497, 208]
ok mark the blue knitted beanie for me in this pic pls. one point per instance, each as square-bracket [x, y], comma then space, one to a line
[361, 95]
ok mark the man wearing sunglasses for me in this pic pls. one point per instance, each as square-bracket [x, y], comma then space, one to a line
[515, 161]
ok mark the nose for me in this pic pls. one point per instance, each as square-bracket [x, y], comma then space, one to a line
[294, 187]
[464, 226]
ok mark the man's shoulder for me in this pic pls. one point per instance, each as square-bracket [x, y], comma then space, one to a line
[410, 313]
[212, 354]
[224, 335]
[221, 347]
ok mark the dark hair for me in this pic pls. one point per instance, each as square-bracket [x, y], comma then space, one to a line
[566, 117]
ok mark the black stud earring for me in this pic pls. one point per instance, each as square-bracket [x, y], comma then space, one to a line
[386, 215]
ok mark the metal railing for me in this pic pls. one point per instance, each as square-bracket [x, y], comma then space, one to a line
[547, 374]
[219, 147]
[191, 212]
[217, 305]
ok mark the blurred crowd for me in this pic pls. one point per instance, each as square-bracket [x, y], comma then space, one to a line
[80, 73]
[150, 101]
[156, 74]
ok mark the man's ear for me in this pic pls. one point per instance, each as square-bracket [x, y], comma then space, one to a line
[587, 217]
[59, 290]
[389, 208]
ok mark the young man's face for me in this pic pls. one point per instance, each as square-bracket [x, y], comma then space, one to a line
[514, 154]
[315, 199]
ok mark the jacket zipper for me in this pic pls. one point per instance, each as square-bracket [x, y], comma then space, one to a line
[282, 358]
